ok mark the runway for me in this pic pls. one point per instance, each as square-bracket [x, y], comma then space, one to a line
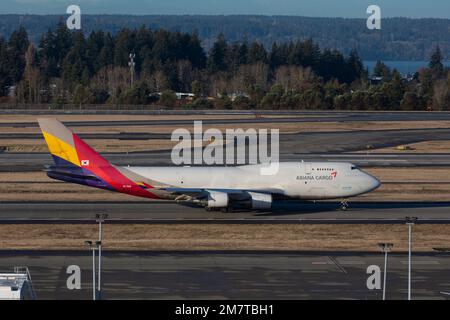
[302, 142]
[233, 275]
[283, 212]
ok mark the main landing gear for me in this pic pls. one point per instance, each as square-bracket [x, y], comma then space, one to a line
[344, 205]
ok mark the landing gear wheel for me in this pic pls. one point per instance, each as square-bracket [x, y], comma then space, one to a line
[209, 209]
[344, 205]
[226, 210]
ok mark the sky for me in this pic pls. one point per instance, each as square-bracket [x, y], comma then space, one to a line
[313, 8]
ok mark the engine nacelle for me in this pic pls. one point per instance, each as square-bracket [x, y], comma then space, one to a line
[260, 201]
[217, 199]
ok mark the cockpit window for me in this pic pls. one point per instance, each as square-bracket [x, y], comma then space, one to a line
[355, 168]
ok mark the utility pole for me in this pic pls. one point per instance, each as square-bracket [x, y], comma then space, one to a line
[385, 247]
[90, 246]
[132, 66]
[100, 218]
[410, 221]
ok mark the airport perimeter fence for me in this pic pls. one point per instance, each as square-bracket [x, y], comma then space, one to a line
[36, 109]
[9, 108]
[69, 106]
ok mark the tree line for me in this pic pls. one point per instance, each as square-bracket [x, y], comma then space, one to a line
[68, 67]
[403, 39]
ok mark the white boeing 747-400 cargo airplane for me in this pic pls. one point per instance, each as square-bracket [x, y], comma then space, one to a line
[213, 187]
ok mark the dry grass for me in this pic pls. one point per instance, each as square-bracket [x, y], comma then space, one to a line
[100, 145]
[224, 237]
[408, 174]
[292, 127]
[408, 192]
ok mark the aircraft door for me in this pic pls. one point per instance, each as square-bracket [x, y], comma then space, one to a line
[307, 167]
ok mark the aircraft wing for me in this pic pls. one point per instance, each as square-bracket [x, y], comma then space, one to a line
[257, 199]
[201, 192]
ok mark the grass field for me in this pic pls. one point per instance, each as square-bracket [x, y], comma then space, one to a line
[224, 237]
[291, 127]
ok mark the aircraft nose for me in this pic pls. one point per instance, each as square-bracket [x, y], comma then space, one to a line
[373, 183]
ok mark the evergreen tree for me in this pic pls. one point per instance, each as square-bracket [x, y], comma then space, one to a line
[395, 90]
[234, 58]
[310, 54]
[243, 53]
[196, 54]
[5, 77]
[355, 68]
[124, 46]
[382, 70]
[257, 53]
[435, 63]
[278, 55]
[217, 55]
[106, 55]
[17, 46]
[94, 46]
[75, 62]
[53, 48]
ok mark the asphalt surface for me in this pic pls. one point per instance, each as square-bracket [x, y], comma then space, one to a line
[283, 212]
[233, 275]
[305, 142]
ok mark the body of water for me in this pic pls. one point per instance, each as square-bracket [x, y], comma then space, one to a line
[404, 67]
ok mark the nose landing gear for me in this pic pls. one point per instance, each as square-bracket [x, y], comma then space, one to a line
[344, 205]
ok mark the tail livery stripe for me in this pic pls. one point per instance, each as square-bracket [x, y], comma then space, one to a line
[64, 144]
[103, 169]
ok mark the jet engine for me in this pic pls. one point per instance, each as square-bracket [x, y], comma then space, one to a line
[217, 199]
[260, 201]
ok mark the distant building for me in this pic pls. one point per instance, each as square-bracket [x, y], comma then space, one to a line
[375, 80]
[408, 77]
[233, 96]
[180, 95]
[11, 90]
[185, 96]
[17, 285]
